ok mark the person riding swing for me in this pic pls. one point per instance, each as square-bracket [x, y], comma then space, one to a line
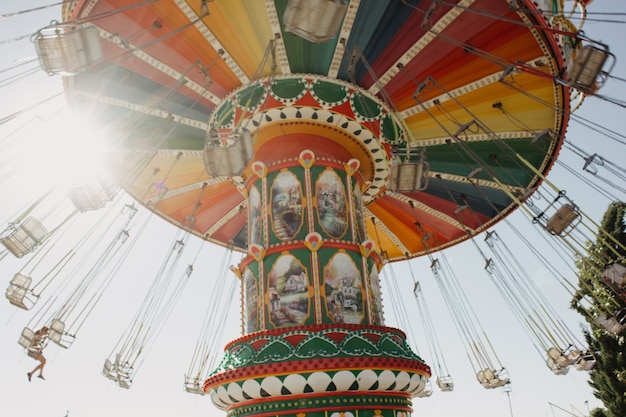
[40, 341]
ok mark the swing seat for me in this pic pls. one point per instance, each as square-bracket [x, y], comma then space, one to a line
[586, 362]
[33, 353]
[108, 371]
[553, 353]
[445, 383]
[25, 237]
[124, 383]
[408, 170]
[498, 382]
[480, 375]
[614, 324]
[561, 359]
[573, 354]
[26, 338]
[555, 368]
[123, 369]
[408, 177]
[586, 73]
[616, 275]
[562, 221]
[18, 292]
[194, 386]
[27, 341]
[317, 21]
[227, 156]
[489, 374]
[484, 377]
[491, 379]
[92, 196]
[58, 335]
[68, 49]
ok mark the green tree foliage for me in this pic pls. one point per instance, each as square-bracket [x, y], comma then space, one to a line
[598, 412]
[596, 298]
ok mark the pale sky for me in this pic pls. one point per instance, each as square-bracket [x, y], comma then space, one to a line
[74, 381]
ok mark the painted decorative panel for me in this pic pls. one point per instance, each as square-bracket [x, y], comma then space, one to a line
[251, 302]
[376, 302]
[288, 292]
[343, 289]
[359, 213]
[255, 220]
[286, 198]
[331, 203]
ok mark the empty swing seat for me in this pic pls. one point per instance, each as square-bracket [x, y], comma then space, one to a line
[613, 324]
[408, 177]
[57, 334]
[316, 21]
[108, 371]
[445, 383]
[118, 371]
[586, 362]
[18, 292]
[586, 73]
[68, 49]
[561, 359]
[194, 386]
[557, 362]
[124, 383]
[490, 379]
[124, 372]
[24, 237]
[92, 196]
[572, 354]
[124, 369]
[562, 221]
[616, 275]
[482, 378]
[409, 170]
[227, 155]
[555, 368]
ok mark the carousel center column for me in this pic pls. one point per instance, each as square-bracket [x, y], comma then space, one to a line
[314, 341]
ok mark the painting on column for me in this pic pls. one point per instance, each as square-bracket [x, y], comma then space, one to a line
[251, 302]
[359, 213]
[343, 289]
[288, 292]
[286, 198]
[254, 215]
[331, 203]
[376, 302]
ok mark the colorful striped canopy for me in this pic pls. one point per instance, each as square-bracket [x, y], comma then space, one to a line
[477, 83]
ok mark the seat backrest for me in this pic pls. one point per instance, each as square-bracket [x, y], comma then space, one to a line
[562, 219]
[34, 229]
[26, 338]
[58, 335]
[489, 374]
[108, 370]
[554, 353]
[480, 375]
[25, 237]
[17, 289]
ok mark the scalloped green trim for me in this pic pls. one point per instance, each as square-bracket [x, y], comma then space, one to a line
[316, 345]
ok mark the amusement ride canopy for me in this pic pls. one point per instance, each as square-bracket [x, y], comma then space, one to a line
[466, 87]
[323, 139]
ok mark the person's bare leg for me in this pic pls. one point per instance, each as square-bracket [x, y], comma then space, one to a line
[42, 359]
[42, 362]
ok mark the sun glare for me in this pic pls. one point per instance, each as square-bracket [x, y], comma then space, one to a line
[66, 151]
